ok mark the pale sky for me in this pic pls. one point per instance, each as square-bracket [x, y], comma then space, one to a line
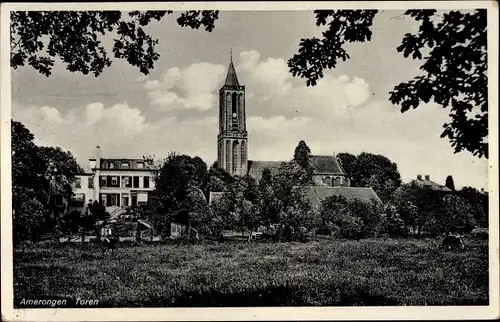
[175, 108]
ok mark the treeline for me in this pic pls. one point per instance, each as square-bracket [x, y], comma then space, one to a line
[241, 204]
[39, 174]
[277, 205]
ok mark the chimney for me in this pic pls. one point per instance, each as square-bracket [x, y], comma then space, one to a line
[98, 156]
[95, 163]
[419, 177]
[427, 177]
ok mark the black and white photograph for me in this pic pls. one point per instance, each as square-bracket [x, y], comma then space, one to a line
[248, 157]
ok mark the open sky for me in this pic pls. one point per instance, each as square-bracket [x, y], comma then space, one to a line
[175, 108]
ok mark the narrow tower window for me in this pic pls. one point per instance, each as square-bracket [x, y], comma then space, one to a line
[236, 158]
[228, 156]
[234, 105]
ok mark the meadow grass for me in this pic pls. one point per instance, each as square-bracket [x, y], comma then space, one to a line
[323, 272]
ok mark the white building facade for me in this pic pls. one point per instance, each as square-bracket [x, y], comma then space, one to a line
[115, 182]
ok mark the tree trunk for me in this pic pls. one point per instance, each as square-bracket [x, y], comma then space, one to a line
[98, 232]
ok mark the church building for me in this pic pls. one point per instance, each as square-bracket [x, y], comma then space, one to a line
[232, 149]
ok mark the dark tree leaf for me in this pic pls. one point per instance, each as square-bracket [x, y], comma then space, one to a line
[452, 48]
[37, 37]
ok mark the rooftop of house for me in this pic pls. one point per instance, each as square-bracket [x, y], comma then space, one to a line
[255, 168]
[321, 164]
[326, 164]
[427, 183]
[316, 194]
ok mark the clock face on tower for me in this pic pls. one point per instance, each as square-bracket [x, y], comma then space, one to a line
[234, 115]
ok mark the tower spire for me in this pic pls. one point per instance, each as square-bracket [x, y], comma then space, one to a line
[231, 78]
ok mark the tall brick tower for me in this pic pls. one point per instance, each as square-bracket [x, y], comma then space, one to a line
[232, 140]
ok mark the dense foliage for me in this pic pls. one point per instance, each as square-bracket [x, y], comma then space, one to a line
[372, 170]
[351, 219]
[302, 156]
[39, 175]
[277, 206]
[452, 47]
[37, 38]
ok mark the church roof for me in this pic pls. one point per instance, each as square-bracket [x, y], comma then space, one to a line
[255, 168]
[316, 194]
[231, 78]
[326, 164]
[322, 164]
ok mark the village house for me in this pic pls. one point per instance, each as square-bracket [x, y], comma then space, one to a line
[114, 182]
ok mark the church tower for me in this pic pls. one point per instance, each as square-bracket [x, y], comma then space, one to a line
[232, 140]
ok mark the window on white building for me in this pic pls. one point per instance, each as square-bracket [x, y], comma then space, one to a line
[125, 200]
[114, 181]
[114, 200]
[140, 165]
[104, 199]
[78, 183]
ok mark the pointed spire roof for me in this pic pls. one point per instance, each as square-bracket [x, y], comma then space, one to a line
[231, 78]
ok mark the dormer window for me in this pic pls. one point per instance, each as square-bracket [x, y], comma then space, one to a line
[125, 165]
[111, 165]
[140, 165]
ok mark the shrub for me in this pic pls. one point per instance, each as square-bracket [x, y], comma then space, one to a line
[350, 219]
[392, 224]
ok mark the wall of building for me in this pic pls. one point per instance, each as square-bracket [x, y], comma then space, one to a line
[81, 187]
[125, 187]
[331, 180]
[112, 189]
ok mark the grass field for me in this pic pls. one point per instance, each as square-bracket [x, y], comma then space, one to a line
[325, 272]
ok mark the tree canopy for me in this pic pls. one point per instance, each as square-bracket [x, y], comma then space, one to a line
[452, 48]
[37, 38]
[372, 170]
[37, 174]
[302, 156]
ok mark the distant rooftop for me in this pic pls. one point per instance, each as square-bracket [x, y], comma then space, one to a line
[322, 164]
[316, 194]
[326, 164]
